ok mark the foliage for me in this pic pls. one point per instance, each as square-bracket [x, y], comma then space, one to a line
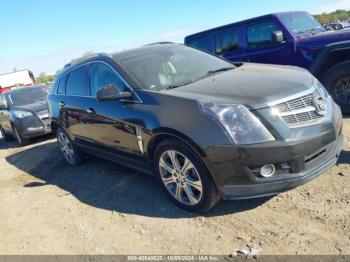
[43, 78]
[339, 15]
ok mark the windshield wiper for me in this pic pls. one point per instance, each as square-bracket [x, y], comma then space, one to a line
[179, 85]
[209, 73]
[212, 72]
[220, 70]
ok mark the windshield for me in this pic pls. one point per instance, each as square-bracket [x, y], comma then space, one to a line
[170, 66]
[301, 23]
[27, 96]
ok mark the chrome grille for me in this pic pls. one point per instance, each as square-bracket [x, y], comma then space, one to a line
[299, 111]
[36, 122]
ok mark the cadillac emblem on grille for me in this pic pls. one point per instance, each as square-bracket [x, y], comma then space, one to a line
[321, 105]
[302, 111]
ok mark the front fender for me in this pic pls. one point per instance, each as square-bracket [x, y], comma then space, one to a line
[322, 61]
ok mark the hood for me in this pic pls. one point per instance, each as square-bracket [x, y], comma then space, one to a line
[35, 107]
[324, 38]
[253, 85]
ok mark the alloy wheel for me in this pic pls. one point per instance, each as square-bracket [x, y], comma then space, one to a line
[180, 178]
[66, 147]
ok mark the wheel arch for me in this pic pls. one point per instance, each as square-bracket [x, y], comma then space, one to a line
[55, 126]
[161, 134]
[330, 56]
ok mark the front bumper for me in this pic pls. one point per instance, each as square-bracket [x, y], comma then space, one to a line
[232, 167]
[232, 192]
[33, 126]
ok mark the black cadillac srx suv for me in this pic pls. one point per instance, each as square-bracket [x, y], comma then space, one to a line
[206, 128]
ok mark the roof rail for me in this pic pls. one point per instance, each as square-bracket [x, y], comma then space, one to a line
[160, 43]
[87, 57]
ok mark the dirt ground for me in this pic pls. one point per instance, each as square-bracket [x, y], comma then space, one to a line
[47, 207]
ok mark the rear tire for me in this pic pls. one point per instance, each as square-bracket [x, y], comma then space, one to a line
[19, 138]
[70, 152]
[337, 82]
[187, 183]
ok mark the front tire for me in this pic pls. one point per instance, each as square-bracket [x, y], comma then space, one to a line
[184, 177]
[19, 138]
[70, 152]
[337, 82]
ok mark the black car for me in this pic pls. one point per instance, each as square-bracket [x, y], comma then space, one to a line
[206, 128]
[24, 114]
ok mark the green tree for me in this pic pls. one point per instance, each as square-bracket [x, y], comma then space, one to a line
[339, 15]
[43, 78]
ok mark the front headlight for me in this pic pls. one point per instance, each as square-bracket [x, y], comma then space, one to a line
[242, 126]
[22, 114]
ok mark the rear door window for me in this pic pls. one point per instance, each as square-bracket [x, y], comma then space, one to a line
[260, 35]
[227, 41]
[77, 84]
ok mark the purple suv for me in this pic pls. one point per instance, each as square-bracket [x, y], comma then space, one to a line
[290, 38]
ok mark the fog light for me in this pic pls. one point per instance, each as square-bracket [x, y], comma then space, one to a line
[268, 170]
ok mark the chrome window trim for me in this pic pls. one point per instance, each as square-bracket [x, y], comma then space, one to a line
[138, 101]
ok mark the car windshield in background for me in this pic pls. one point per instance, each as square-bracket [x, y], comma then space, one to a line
[172, 66]
[301, 23]
[27, 96]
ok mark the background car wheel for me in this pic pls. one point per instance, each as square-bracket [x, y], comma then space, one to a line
[184, 177]
[19, 138]
[337, 81]
[70, 152]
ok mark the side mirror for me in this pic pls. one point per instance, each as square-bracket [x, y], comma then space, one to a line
[111, 92]
[277, 37]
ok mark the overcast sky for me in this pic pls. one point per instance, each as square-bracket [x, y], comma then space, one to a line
[44, 35]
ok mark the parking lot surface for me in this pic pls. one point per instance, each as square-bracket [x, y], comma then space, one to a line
[47, 207]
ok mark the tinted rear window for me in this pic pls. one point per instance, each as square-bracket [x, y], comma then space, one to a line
[201, 43]
[77, 82]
